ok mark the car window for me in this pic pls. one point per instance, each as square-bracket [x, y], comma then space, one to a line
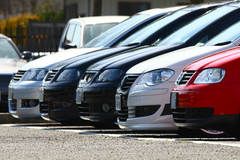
[102, 39]
[69, 35]
[76, 36]
[228, 35]
[7, 50]
[182, 35]
[92, 31]
[139, 36]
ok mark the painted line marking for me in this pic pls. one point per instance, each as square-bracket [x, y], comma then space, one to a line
[125, 136]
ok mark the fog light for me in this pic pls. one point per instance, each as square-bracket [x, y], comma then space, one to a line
[33, 103]
[105, 107]
[24, 103]
[146, 110]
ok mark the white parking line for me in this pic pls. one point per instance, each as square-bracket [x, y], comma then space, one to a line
[197, 141]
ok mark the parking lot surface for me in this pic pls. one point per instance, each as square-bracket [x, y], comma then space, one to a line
[59, 142]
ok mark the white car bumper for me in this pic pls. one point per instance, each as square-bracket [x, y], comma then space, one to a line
[26, 91]
[147, 98]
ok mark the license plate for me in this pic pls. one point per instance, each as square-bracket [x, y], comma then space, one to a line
[41, 95]
[174, 100]
[118, 102]
[79, 96]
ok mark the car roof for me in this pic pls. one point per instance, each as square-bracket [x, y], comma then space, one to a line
[189, 7]
[205, 5]
[3, 36]
[160, 10]
[99, 19]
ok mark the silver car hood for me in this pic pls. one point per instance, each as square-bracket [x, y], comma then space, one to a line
[48, 61]
[176, 57]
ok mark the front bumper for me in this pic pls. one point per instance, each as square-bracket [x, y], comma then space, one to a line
[92, 102]
[163, 123]
[214, 122]
[21, 94]
[146, 108]
[58, 104]
[208, 106]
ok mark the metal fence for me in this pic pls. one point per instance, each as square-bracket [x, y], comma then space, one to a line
[38, 37]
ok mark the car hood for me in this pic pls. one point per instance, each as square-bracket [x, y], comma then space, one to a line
[8, 65]
[177, 59]
[91, 56]
[217, 60]
[48, 61]
[124, 58]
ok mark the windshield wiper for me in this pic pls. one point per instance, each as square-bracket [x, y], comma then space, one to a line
[133, 44]
[223, 43]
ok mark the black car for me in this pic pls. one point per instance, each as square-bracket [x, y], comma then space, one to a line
[57, 99]
[96, 91]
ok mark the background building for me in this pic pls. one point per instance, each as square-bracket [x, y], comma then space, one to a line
[76, 8]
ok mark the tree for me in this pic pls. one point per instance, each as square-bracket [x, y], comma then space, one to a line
[47, 11]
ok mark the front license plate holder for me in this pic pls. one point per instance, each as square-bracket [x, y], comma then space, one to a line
[118, 102]
[79, 96]
[173, 100]
[41, 95]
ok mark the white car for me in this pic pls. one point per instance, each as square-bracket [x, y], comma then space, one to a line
[23, 100]
[79, 31]
[146, 104]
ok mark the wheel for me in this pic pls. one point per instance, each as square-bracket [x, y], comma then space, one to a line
[202, 133]
[214, 132]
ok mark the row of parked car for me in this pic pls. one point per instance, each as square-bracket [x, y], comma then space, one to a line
[128, 76]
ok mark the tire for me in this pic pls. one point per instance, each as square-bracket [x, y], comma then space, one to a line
[212, 132]
[201, 133]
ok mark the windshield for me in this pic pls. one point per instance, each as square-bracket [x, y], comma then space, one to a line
[227, 36]
[92, 31]
[142, 34]
[182, 35]
[7, 50]
[102, 39]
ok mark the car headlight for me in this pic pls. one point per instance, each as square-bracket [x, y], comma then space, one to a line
[110, 75]
[35, 75]
[211, 75]
[156, 77]
[69, 75]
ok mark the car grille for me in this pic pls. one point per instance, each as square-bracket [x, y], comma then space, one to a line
[13, 104]
[44, 107]
[127, 81]
[181, 115]
[184, 77]
[134, 112]
[18, 75]
[84, 109]
[87, 77]
[50, 75]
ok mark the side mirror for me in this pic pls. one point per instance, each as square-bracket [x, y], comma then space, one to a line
[27, 55]
[70, 45]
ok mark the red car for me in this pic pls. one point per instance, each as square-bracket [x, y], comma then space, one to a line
[207, 94]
